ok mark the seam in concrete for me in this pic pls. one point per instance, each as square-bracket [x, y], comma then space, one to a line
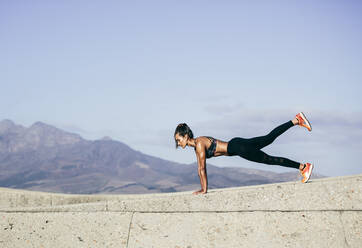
[252, 211]
[190, 212]
[129, 229]
[344, 231]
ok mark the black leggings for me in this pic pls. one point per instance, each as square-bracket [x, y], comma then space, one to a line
[250, 148]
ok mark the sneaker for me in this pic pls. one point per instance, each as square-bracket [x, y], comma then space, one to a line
[306, 172]
[302, 121]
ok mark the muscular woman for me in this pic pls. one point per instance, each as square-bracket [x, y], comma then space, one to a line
[250, 149]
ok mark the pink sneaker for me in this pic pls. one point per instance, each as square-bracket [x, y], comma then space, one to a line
[306, 172]
[302, 121]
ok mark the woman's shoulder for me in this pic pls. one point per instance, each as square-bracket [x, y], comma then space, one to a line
[203, 141]
[200, 144]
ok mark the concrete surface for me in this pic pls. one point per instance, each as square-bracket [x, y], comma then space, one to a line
[322, 213]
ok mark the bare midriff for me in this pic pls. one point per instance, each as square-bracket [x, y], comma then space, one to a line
[221, 148]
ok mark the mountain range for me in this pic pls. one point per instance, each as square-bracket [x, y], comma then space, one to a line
[45, 158]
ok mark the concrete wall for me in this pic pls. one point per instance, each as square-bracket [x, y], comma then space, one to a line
[322, 213]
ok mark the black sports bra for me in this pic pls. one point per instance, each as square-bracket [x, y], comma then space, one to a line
[212, 148]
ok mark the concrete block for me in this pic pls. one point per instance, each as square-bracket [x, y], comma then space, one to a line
[352, 226]
[71, 229]
[245, 229]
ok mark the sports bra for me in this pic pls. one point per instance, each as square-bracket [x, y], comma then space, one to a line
[212, 148]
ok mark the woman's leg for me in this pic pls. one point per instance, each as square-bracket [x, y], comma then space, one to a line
[261, 157]
[243, 148]
[263, 141]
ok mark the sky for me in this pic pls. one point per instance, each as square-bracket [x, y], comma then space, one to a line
[133, 70]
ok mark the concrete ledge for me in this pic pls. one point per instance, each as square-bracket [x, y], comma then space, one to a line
[332, 194]
[321, 194]
[322, 213]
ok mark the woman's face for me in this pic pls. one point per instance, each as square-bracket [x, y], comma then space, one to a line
[181, 140]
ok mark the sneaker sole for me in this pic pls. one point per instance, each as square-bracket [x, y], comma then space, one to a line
[309, 126]
[311, 169]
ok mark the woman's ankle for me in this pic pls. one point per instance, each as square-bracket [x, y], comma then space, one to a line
[295, 121]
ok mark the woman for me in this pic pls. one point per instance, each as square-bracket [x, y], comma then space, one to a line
[250, 149]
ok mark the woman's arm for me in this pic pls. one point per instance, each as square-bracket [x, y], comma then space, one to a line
[201, 161]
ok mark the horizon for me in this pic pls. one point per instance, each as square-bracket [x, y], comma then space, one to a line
[133, 71]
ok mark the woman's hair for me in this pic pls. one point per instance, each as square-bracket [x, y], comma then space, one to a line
[182, 129]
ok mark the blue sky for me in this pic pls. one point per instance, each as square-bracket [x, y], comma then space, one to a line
[133, 70]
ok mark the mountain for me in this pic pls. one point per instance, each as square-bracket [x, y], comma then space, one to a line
[42, 157]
